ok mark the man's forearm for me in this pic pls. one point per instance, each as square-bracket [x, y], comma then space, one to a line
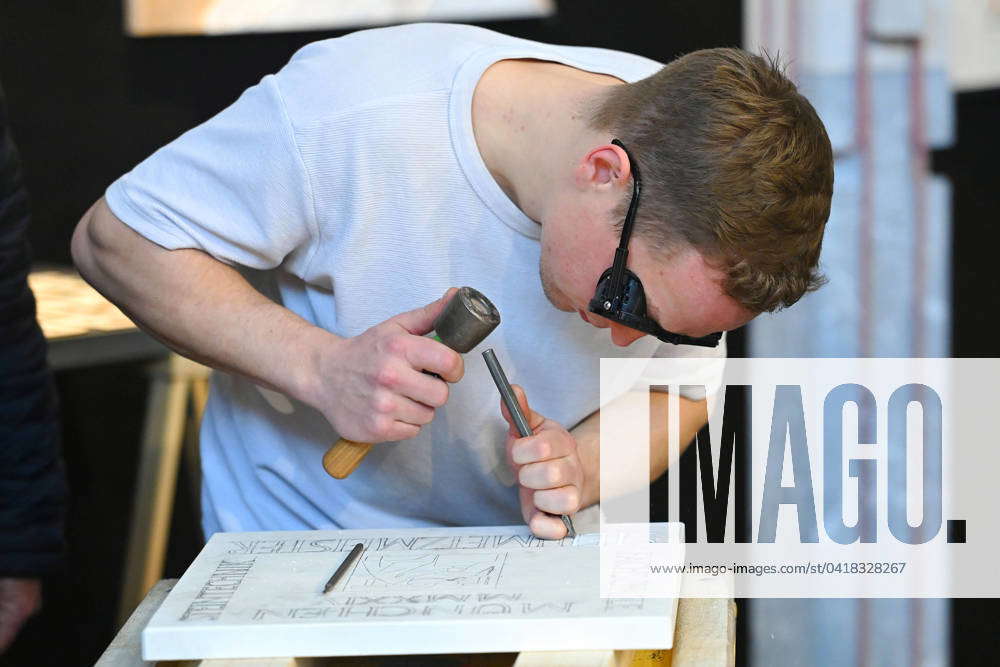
[588, 433]
[196, 305]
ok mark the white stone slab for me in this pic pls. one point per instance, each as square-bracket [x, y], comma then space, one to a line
[432, 590]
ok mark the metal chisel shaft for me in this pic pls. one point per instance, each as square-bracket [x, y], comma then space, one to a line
[510, 400]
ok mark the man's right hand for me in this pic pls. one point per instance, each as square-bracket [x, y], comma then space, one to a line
[371, 387]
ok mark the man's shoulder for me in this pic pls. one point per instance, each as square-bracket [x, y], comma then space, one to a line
[417, 31]
[434, 39]
[336, 75]
[413, 62]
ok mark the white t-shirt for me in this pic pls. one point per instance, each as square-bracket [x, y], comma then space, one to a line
[351, 184]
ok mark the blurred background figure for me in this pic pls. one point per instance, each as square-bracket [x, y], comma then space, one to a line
[32, 488]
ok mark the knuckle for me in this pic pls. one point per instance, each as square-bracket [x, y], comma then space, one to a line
[442, 397]
[437, 396]
[387, 376]
[396, 345]
[542, 500]
[453, 362]
[572, 499]
[426, 416]
[383, 404]
[380, 425]
[544, 449]
[553, 475]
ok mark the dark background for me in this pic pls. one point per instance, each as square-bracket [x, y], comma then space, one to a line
[971, 165]
[87, 103]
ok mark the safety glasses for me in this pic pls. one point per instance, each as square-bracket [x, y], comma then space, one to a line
[620, 297]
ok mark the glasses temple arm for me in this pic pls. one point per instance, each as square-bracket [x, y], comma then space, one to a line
[621, 252]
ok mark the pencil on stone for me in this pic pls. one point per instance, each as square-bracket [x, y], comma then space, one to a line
[344, 567]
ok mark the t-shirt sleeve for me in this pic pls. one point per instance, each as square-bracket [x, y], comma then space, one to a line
[234, 187]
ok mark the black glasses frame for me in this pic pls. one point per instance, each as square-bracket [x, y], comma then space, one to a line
[620, 296]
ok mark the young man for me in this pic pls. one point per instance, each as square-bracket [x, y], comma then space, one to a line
[287, 241]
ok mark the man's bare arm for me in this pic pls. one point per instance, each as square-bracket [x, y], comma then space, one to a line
[195, 304]
[587, 434]
[369, 387]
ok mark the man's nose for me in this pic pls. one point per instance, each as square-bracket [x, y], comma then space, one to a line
[623, 336]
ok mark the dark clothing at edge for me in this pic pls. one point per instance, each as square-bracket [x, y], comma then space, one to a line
[32, 483]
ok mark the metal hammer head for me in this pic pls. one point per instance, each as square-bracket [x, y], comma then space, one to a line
[467, 319]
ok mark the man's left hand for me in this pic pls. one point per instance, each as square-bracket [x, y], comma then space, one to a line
[548, 469]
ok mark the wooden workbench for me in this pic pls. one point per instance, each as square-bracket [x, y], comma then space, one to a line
[704, 636]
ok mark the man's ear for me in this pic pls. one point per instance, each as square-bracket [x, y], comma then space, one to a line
[604, 166]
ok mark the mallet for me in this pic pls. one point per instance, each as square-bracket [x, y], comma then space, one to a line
[468, 318]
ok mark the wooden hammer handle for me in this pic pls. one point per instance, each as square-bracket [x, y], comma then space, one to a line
[345, 455]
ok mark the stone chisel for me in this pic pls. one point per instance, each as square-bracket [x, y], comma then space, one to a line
[514, 408]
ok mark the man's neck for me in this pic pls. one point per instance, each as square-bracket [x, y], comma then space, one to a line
[530, 123]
